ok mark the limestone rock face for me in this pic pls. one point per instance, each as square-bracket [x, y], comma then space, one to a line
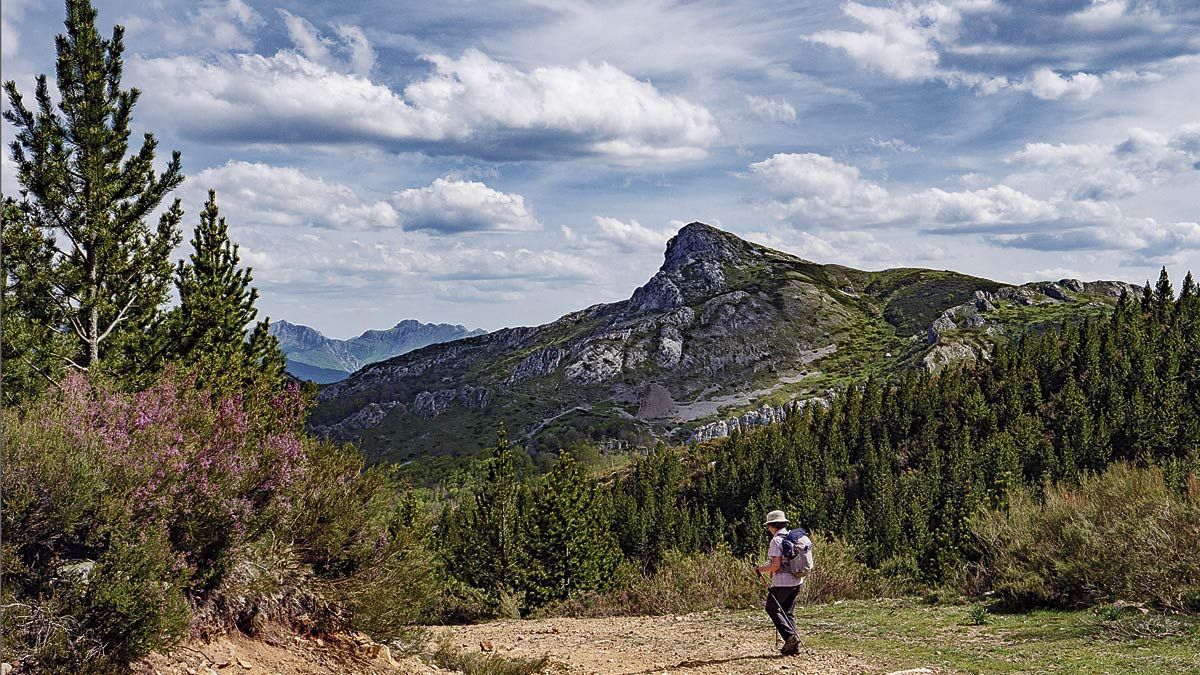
[693, 267]
[943, 324]
[766, 414]
[541, 362]
[659, 295]
[1073, 285]
[365, 418]
[703, 244]
[983, 302]
[943, 355]
[476, 398]
[1112, 289]
[670, 347]
[597, 362]
[1056, 292]
[430, 404]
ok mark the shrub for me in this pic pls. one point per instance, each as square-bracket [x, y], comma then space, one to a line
[1121, 535]
[268, 588]
[681, 584]
[127, 512]
[898, 576]
[98, 616]
[364, 534]
[133, 598]
[209, 471]
[837, 573]
[478, 663]
[719, 580]
[977, 615]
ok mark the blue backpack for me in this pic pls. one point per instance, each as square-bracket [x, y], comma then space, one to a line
[796, 549]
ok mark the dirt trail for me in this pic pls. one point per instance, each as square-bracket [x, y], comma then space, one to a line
[701, 643]
[704, 643]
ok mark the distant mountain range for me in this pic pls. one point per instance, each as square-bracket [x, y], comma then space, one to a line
[312, 356]
[728, 334]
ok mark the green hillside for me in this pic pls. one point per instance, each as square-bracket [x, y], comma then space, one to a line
[728, 334]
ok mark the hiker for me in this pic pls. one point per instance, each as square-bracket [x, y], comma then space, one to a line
[790, 559]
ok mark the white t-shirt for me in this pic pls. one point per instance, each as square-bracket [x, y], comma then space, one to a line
[782, 577]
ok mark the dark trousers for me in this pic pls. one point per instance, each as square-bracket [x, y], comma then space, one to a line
[781, 600]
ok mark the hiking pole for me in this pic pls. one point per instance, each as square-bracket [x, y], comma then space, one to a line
[770, 596]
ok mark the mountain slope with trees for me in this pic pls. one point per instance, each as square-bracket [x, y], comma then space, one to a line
[726, 335]
[1088, 436]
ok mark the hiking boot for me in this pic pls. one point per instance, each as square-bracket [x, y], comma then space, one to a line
[791, 647]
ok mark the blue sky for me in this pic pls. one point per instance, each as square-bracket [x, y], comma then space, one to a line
[503, 163]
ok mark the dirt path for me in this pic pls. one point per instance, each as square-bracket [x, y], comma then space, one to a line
[282, 655]
[701, 643]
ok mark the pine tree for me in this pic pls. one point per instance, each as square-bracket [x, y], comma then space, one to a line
[569, 545]
[879, 504]
[1164, 297]
[216, 304]
[29, 339]
[492, 539]
[101, 271]
[1188, 290]
[1147, 298]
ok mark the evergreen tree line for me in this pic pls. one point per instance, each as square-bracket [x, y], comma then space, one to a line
[896, 467]
[87, 278]
[530, 542]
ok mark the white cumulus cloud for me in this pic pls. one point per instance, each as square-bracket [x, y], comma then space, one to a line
[1141, 160]
[278, 196]
[631, 235]
[263, 195]
[821, 188]
[923, 40]
[811, 189]
[1045, 83]
[320, 92]
[451, 206]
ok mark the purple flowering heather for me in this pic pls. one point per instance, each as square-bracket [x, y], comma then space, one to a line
[211, 470]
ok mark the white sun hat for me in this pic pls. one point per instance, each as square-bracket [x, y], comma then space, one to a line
[776, 517]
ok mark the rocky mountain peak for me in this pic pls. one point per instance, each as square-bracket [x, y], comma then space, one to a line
[296, 336]
[693, 268]
[696, 242]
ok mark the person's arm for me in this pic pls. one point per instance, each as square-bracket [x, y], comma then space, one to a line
[771, 567]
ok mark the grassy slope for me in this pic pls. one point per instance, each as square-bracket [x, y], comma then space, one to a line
[908, 633]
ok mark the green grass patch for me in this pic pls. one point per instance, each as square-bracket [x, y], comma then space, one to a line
[907, 633]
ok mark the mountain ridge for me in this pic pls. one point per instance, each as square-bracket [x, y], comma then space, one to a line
[313, 356]
[725, 330]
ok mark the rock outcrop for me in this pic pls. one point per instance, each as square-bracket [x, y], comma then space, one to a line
[763, 415]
